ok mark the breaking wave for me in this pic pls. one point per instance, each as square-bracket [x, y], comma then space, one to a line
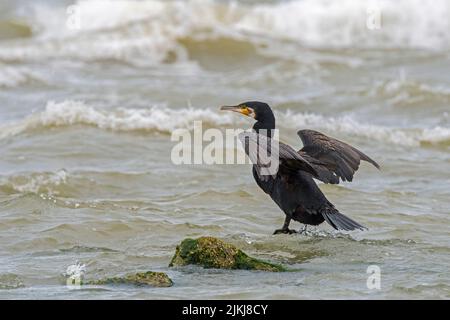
[164, 120]
[150, 30]
[12, 76]
[36, 183]
[156, 119]
[405, 91]
[350, 126]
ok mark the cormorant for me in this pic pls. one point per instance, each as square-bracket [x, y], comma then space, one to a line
[292, 187]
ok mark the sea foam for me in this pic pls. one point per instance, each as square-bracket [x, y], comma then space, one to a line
[13, 76]
[163, 119]
[146, 32]
[155, 118]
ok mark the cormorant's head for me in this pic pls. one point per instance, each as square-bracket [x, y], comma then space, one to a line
[260, 111]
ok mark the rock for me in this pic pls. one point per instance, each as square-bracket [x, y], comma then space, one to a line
[10, 281]
[210, 252]
[149, 278]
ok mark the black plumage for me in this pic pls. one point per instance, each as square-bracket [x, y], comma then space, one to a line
[292, 186]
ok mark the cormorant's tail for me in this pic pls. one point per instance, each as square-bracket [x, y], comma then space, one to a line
[340, 222]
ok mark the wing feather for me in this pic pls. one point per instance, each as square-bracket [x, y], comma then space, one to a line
[336, 159]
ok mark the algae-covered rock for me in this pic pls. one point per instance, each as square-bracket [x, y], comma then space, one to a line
[10, 281]
[210, 252]
[154, 279]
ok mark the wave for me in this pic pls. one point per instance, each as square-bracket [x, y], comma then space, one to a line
[353, 127]
[165, 120]
[353, 24]
[12, 76]
[10, 29]
[405, 91]
[150, 31]
[48, 183]
[155, 119]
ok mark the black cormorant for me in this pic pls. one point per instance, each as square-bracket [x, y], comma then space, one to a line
[292, 187]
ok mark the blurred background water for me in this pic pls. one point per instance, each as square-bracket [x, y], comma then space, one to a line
[86, 115]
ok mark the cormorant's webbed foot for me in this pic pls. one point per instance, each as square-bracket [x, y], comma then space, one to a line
[285, 231]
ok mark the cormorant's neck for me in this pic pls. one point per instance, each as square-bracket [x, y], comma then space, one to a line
[266, 126]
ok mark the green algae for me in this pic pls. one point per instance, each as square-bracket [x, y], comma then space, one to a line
[149, 278]
[210, 252]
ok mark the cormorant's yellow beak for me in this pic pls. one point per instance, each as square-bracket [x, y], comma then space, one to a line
[242, 109]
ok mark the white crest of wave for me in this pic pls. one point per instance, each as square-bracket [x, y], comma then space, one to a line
[402, 90]
[165, 120]
[11, 76]
[145, 32]
[155, 118]
[323, 23]
[37, 183]
[347, 23]
[436, 135]
[348, 125]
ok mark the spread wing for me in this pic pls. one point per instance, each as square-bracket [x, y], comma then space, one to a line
[261, 150]
[331, 158]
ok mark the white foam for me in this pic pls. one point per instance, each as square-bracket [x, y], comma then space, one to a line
[75, 274]
[343, 23]
[37, 183]
[165, 120]
[155, 118]
[13, 76]
[122, 30]
[403, 90]
[348, 125]
[76, 270]
[146, 31]
[436, 135]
